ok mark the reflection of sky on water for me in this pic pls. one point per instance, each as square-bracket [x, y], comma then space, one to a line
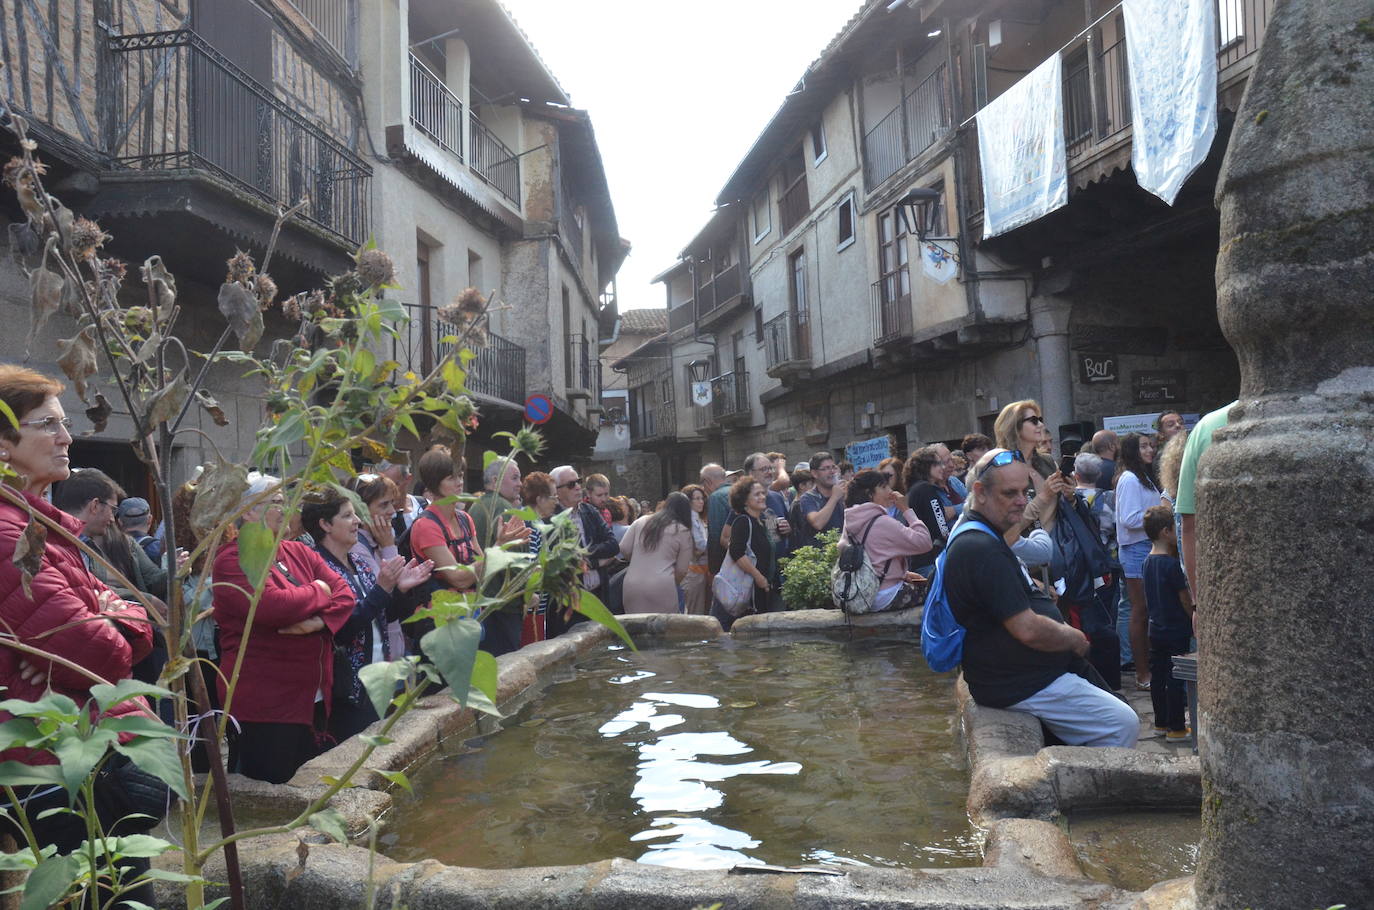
[673, 778]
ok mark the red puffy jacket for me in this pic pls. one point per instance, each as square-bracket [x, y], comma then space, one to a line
[281, 673]
[64, 592]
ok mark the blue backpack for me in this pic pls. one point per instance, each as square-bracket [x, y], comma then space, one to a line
[942, 638]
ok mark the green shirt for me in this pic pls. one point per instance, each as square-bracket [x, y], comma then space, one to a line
[486, 515]
[1199, 440]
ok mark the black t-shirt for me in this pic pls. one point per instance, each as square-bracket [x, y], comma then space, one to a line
[739, 538]
[924, 499]
[986, 584]
[1164, 579]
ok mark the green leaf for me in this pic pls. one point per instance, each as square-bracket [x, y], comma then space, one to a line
[9, 415]
[18, 731]
[51, 705]
[16, 862]
[590, 606]
[291, 429]
[49, 882]
[364, 363]
[167, 875]
[14, 774]
[331, 822]
[392, 310]
[399, 779]
[484, 675]
[380, 681]
[159, 758]
[487, 458]
[135, 845]
[257, 547]
[478, 701]
[141, 726]
[454, 376]
[78, 757]
[408, 423]
[107, 696]
[453, 650]
[373, 739]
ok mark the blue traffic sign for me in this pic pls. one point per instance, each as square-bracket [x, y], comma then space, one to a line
[538, 409]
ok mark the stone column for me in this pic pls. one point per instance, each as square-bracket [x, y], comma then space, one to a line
[1286, 499]
[1049, 316]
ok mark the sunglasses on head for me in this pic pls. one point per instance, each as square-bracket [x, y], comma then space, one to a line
[1002, 459]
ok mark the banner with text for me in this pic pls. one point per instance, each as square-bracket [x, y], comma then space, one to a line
[1171, 48]
[867, 453]
[1021, 150]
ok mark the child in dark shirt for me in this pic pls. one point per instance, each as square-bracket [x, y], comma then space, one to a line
[1171, 621]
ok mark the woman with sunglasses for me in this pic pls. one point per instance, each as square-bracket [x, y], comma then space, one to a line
[696, 586]
[1136, 491]
[1020, 428]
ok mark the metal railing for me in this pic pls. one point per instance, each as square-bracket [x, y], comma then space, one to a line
[184, 106]
[913, 126]
[577, 367]
[336, 21]
[787, 339]
[1097, 98]
[730, 395]
[890, 305]
[793, 205]
[568, 218]
[497, 370]
[434, 109]
[1240, 28]
[681, 316]
[492, 160]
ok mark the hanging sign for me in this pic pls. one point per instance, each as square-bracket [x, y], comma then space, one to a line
[1097, 368]
[1021, 149]
[1171, 54]
[701, 394]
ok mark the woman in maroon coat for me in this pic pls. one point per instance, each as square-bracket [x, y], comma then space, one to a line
[99, 632]
[281, 701]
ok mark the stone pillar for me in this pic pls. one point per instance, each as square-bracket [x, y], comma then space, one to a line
[1049, 316]
[1286, 498]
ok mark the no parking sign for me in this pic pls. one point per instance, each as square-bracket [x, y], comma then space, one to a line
[538, 409]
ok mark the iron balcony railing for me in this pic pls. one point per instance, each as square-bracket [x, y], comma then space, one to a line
[890, 305]
[730, 395]
[787, 340]
[434, 109]
[497, 371]
[179, 105]
[492, 160]
[908, 129]
[568, 218]
[1105, 84]
[1240, 28]
[577, 366]
[336, 21]
[655, 413]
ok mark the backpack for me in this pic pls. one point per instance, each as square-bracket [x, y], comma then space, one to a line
[942, 638]
[465, 522]
[854, 581]
[1080, 558]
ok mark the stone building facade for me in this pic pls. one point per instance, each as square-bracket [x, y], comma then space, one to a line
[837, 325]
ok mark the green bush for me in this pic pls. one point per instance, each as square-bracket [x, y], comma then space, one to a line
[806, 574]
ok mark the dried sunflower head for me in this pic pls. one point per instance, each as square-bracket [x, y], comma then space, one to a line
[293, 308]
[87, 237]
[450, 312]
[241, 267]
[265, 289]
[471, 301]
[375, 268]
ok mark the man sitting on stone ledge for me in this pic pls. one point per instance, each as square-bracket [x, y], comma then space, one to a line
[1019, 654]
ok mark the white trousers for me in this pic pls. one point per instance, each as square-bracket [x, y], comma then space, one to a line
[1081, 714]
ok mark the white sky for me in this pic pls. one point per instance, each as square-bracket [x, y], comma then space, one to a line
[677, 94]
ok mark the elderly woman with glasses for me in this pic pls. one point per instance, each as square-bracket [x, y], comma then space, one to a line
[281, 695]
[63, 609]
[593, 533]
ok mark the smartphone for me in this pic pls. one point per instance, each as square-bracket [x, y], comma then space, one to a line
[1066, 464]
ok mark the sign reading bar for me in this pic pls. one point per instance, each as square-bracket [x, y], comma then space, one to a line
[1097, 368]
[1158, 386]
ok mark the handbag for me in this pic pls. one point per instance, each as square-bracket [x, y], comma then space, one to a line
[123, 789]
[733, 587]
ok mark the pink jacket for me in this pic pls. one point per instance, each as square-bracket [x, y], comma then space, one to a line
[888, 542]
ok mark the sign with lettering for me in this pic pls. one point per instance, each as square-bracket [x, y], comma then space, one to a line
[1123, 339]
[1142, 423]
[1158, 386]
[1097, 368]
[868, 453]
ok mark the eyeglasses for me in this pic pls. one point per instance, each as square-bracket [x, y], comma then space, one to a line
[112, 506]
[49, 424]
[575, 482]
[1038, 421]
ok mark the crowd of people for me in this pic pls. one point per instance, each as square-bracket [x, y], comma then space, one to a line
[1079, 576]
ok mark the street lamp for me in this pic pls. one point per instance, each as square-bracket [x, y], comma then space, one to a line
[699, 370]
[919, 210]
